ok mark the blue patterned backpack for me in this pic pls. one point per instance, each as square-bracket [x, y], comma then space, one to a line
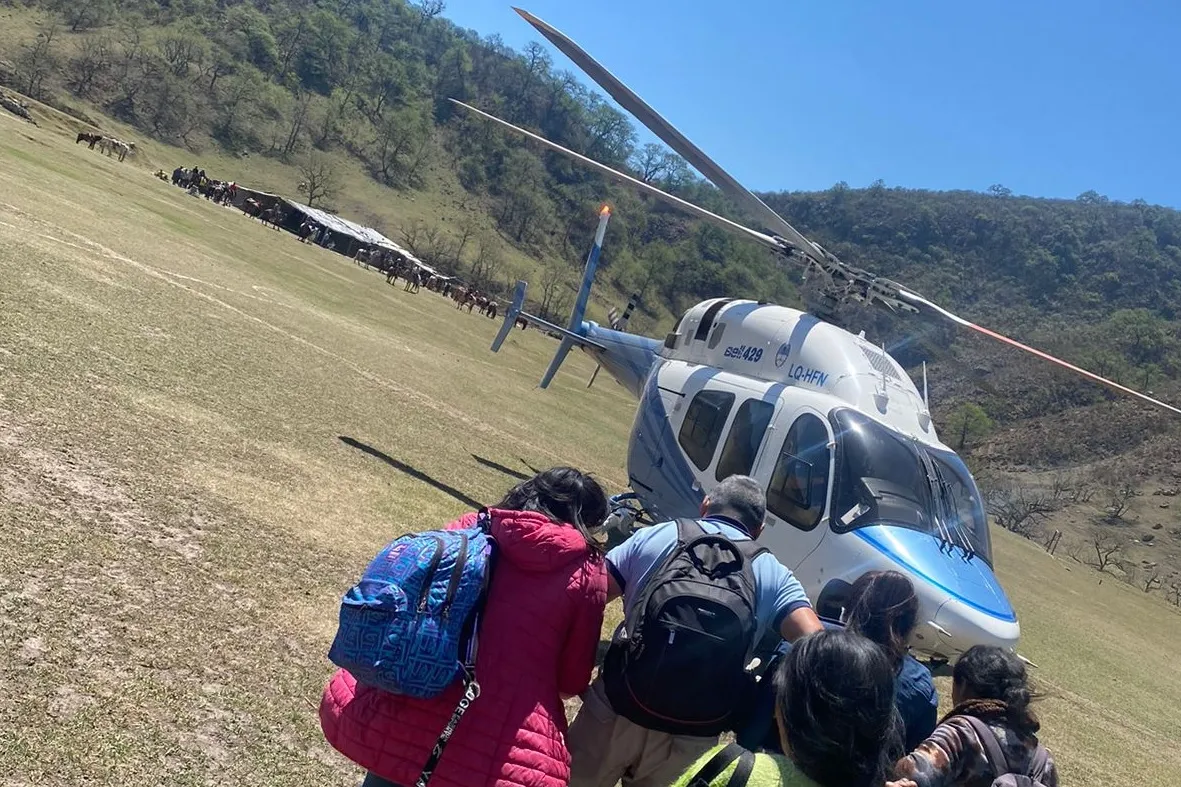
[410, 625]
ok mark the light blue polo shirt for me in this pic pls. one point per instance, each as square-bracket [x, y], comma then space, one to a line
[777, 592]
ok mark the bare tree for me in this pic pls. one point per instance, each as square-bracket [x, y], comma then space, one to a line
[37, 59]
[467, 231]
[1020, 510]
[553, 280]
[1173, 594]
[91, 66]
[1075, 550]
[1151, 582]
[426, 241]
[299, 117]
[319, 179]
[487, 264]
[1107, 550]
[1121, 500]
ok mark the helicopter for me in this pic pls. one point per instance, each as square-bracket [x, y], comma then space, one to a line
[829, 423]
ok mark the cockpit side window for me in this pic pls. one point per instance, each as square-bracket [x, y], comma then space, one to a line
[746, 435]
[702, 428]
[798, 489]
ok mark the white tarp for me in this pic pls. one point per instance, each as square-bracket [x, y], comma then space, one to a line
[345, 227]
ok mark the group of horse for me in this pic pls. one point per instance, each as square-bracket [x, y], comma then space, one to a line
[396, 265]
[105, 144]
[470, 298]
[195, 181]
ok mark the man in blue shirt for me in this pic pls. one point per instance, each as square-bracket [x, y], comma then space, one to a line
[607, 748]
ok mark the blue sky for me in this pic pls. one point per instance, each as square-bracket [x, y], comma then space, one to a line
[1049, 98]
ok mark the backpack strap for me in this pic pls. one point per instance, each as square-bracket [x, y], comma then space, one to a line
[690, 529]
[1041, 759]
[992, 747]
[720, 762]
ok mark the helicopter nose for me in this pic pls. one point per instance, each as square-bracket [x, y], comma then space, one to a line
[960, 625]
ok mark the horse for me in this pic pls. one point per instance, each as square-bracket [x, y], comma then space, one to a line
[84, 136]
[413, 280]
[123, 148]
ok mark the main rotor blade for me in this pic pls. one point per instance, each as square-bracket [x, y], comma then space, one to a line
[671, 136]
[695, 210]
[918, 300]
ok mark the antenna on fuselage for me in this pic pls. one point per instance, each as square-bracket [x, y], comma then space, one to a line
[925, 415]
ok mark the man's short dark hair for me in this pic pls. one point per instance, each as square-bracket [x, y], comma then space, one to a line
[740, 497]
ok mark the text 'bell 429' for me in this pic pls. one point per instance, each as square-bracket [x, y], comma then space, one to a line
[831, 425]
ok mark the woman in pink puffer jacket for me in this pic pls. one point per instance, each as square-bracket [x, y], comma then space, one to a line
[538, 643]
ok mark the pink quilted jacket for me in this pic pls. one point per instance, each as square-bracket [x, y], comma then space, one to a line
[538, 641]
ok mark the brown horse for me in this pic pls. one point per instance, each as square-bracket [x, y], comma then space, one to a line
[92, 139]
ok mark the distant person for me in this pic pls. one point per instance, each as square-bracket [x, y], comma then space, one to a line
[834, 702]
[991, 731]
[537, 646]
[655, 709]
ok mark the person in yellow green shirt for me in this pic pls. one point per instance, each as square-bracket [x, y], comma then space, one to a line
[834, 705]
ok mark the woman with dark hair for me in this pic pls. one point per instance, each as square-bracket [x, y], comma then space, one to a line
[538, 641]
[883, 607]
[834, 708]
[991, 731]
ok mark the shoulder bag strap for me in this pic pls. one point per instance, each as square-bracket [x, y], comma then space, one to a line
[471, 691]
[992, 747]
[1037, 766]
[720, 762]
[750, 549]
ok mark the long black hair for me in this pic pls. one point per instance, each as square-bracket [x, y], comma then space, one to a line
[883, 607]
[566, 496]
[834, 698]
[986, 672]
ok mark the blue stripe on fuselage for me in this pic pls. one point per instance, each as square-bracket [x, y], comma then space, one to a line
[971, 582]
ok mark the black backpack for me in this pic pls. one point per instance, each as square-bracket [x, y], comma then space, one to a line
[679, 664]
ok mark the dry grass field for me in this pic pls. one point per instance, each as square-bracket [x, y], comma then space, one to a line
[206, 429]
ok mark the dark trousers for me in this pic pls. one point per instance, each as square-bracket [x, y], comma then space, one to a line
[373, 780]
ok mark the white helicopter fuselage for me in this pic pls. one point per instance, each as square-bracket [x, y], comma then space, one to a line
[842, 440]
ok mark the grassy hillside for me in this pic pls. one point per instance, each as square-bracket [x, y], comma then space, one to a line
[179, 512]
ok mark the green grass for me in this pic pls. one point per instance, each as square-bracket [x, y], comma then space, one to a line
[178, 514]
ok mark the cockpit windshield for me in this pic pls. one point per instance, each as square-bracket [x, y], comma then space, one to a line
[883, 477]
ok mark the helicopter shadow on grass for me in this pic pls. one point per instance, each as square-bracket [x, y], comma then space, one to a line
[498, 467]
[413, 472]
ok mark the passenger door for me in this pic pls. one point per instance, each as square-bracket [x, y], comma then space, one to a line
[796, 470]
